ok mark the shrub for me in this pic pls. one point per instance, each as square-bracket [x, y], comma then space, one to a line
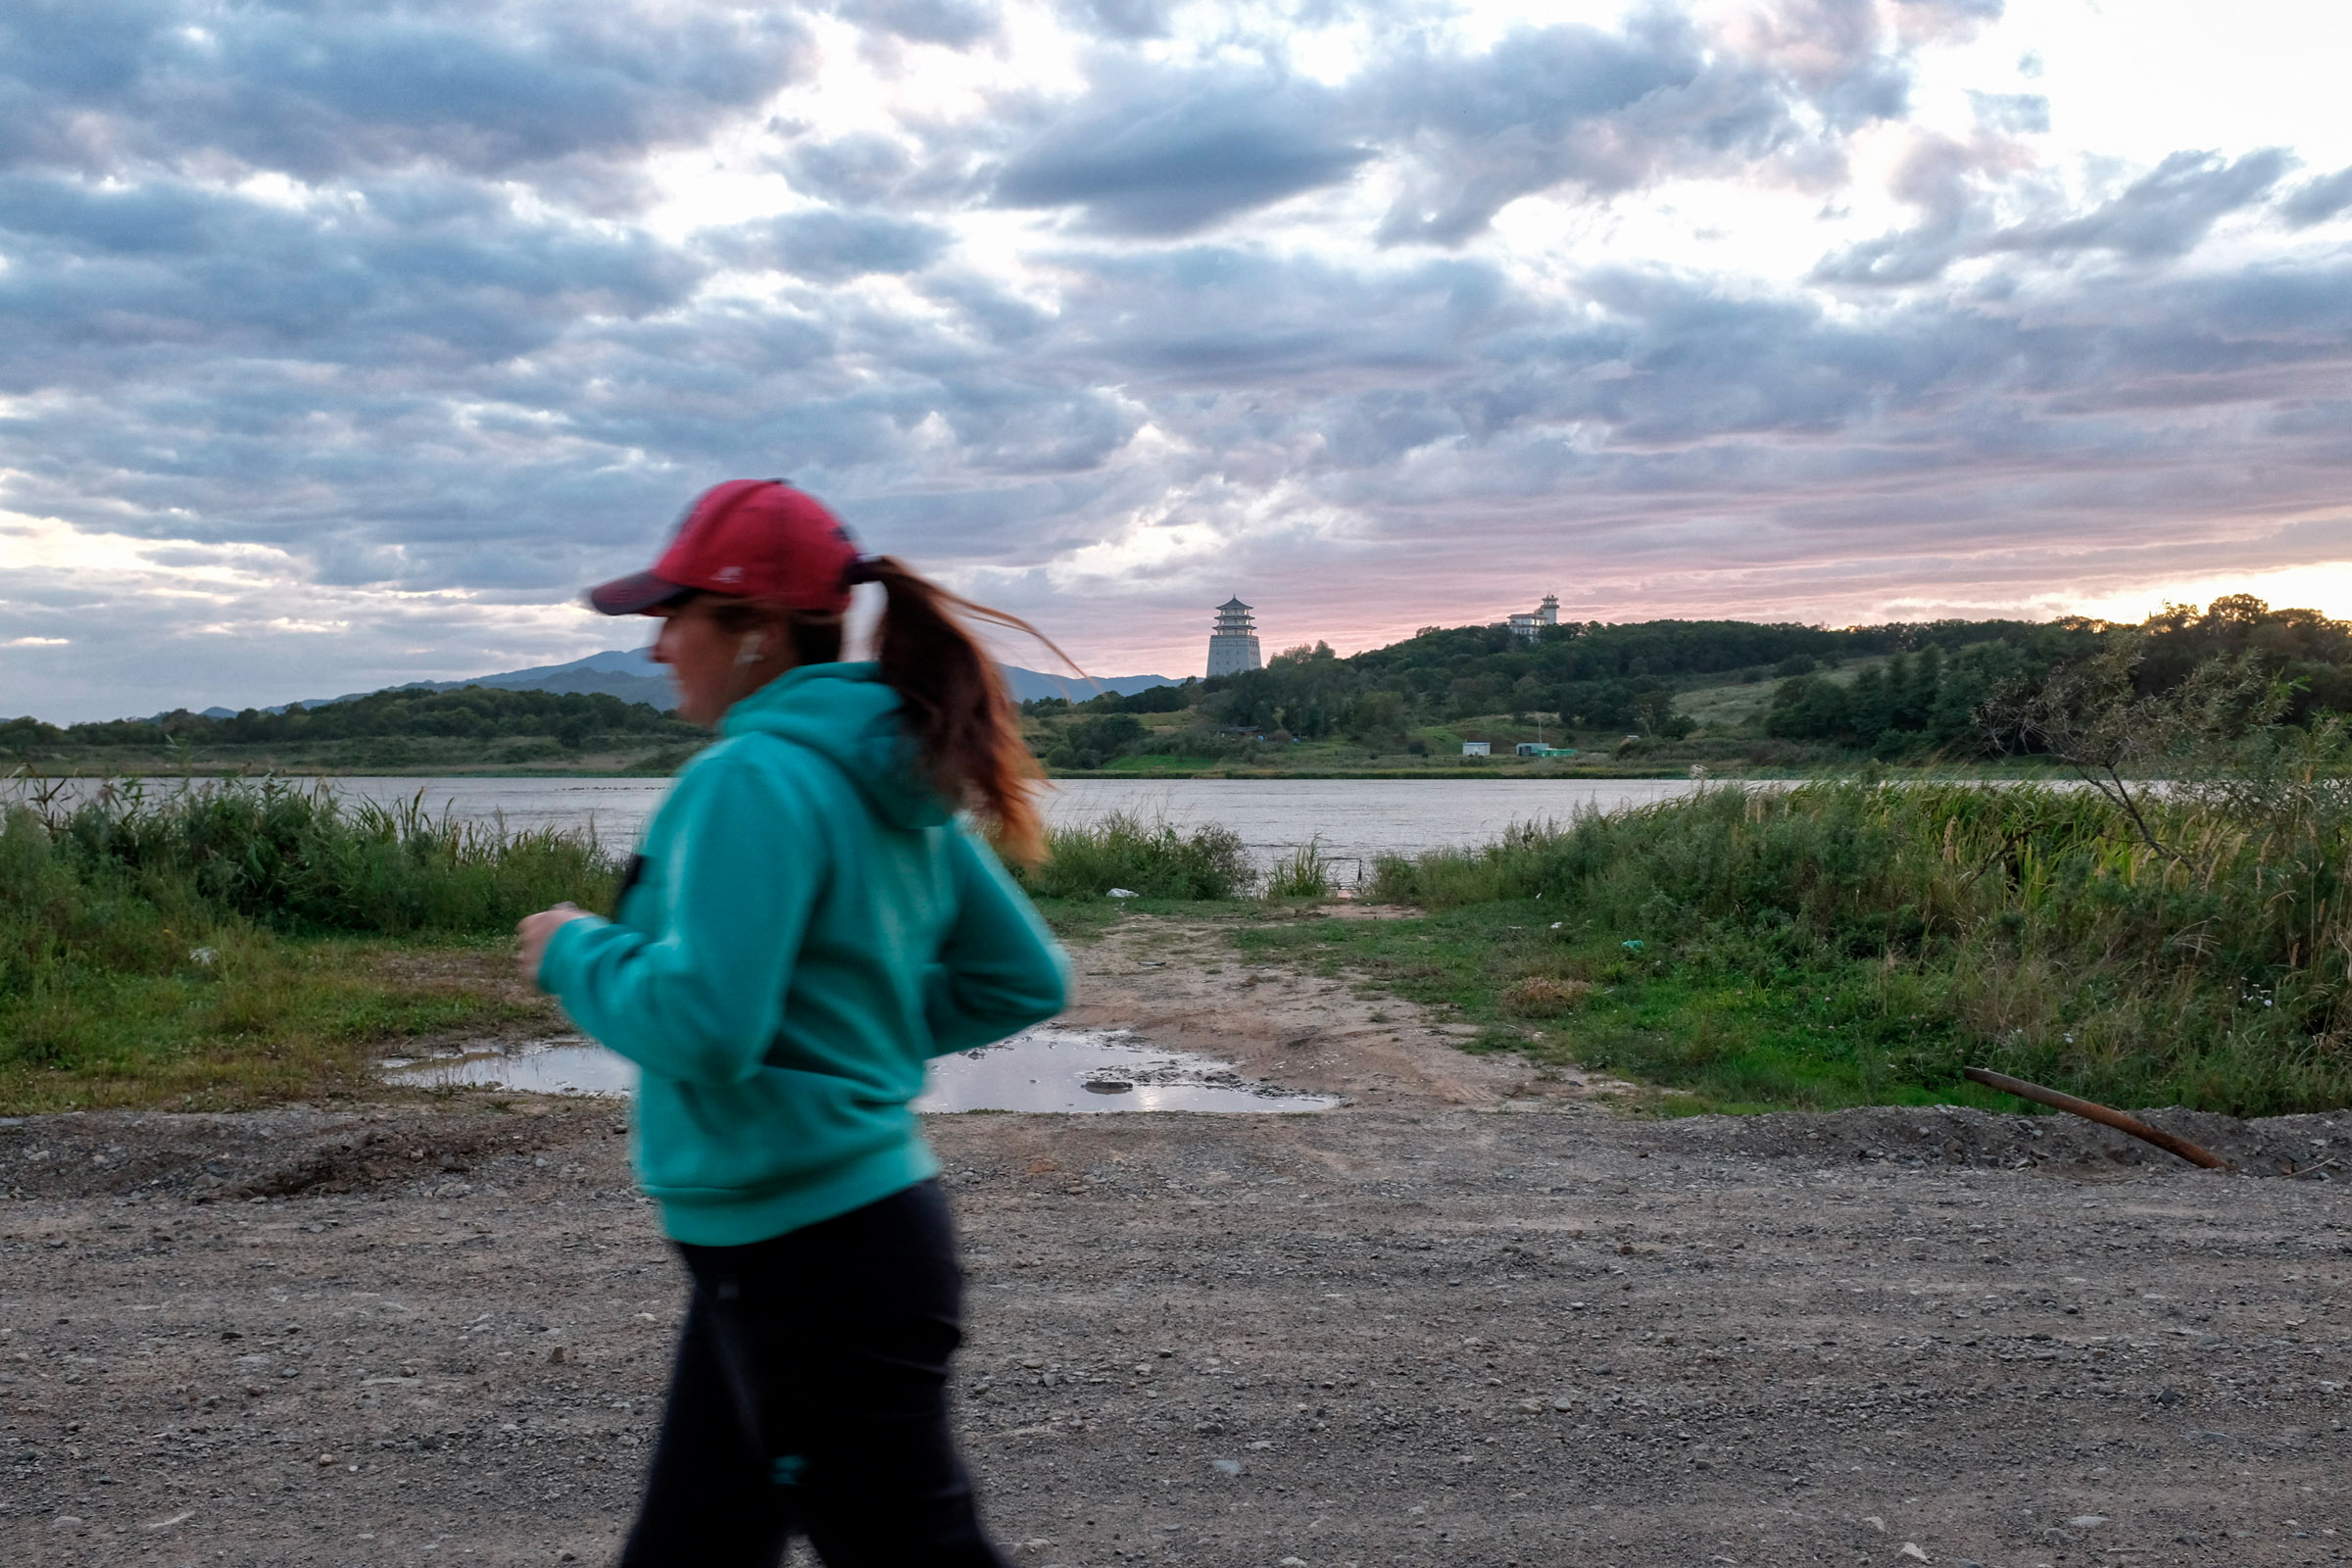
[1107, 736]
[1199, 745]
[1153, 858]
[1306, 875]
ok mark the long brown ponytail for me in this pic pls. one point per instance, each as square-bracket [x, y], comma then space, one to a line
[967, 733]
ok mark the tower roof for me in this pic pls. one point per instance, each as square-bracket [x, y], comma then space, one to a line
[1232, 603]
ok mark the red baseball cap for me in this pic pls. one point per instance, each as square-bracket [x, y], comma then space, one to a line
[748, 539]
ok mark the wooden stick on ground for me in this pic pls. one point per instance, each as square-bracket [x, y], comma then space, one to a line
[2103, 1115]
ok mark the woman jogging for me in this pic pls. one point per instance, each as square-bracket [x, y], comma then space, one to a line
[805, 925]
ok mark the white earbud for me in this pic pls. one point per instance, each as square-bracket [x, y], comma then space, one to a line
[748, 654]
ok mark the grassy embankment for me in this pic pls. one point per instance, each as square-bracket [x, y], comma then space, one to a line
[1833, 945]
[1845, 944]
[228, 945]
[231, 946]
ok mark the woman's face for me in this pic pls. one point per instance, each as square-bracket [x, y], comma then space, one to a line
[711, 666]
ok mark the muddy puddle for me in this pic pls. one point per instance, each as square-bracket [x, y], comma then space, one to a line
[1097, 1069]
[1045, 1070]
[533, 1067]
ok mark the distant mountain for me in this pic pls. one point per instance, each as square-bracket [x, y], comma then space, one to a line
[1028, 685]
[622, 672]
[630, 675]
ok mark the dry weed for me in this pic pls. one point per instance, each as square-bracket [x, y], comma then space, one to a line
[1542, 994]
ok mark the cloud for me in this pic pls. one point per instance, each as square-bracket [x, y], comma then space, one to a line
[101, 275]
[2166, 212]
[2316, 201]
[1123, 18]
[1949, 19]
[856, 169]
[1164, 158]
[1608, 113]
[313, 91]
[831, 246]
[1373, 421]
[1150, 152]
[2011, 114]
[1106, 330]
[956, 23]
[2163, 214]
[1953, 185]
[1547, 107]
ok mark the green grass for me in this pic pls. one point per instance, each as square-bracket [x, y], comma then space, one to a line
[1730, 1043]
[1833, 945]
[1847, 944]
[270, 1019]
[231, 943]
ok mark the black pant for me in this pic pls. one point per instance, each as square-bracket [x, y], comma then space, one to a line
[810, 1396]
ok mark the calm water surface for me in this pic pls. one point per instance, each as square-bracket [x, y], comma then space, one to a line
[1356, 819]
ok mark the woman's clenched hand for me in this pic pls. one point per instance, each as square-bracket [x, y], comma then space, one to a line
[532, 932]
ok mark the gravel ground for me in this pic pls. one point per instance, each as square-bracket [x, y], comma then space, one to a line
[1369, 1336]
[1475, 1317]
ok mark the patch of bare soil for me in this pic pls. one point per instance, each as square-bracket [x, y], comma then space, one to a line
[1178, 985]
[1446, 1325]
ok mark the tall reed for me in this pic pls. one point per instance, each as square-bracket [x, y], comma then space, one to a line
[298, 857]
[144, 936]
[1150, 857]
[2205, 961]
[1304, 875]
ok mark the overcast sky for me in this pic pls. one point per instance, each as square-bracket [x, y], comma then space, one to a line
[340, 344]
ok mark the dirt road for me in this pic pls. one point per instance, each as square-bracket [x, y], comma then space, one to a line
[1477, 1320]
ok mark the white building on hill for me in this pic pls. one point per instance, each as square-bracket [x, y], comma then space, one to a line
[1529, 624]
[1233, 644]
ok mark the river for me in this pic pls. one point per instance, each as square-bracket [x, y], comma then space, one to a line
[1355, 820]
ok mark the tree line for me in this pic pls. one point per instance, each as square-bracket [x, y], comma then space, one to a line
[1920, 693]
[1925, 702]
[472, 713]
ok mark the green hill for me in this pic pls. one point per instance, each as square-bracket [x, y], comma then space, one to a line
[1656, 693]
[405, 729]
[1647, 696]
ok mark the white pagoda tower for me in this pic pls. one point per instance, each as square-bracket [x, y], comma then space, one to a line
[1233, 644]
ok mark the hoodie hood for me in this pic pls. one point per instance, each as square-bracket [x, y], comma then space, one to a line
[849, 715]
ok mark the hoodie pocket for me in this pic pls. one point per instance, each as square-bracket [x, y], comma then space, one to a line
[770, 1131]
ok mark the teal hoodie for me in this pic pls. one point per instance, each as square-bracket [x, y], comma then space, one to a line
[806, 926]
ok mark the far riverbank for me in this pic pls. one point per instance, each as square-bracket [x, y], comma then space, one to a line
[444, 757]
[1352, 820]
